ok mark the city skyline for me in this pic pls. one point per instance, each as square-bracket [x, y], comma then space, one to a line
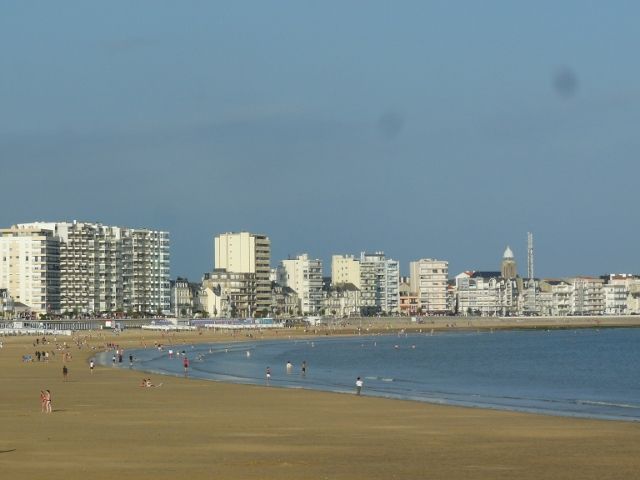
[428, 130]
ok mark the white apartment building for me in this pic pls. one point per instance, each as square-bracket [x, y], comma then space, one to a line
[245, 252]
[588, 295]
[486, 294]
[428, 280]
[107, 269]
[30, 267]
[379, 283]
[620, 294]
[304, 276]
[561, 297]
[345, 269]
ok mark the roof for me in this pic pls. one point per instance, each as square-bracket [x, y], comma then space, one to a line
[485, 274]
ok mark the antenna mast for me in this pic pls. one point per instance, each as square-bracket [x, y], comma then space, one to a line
[530, 272]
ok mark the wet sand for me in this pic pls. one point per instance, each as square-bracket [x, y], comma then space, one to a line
[106, 426]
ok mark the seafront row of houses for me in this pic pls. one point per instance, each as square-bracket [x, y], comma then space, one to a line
[79, 269]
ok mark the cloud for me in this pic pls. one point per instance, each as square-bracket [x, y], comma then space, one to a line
[565, 82]
[390, 124]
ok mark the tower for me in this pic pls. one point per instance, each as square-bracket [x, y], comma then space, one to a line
[530, 272]
[508, 269]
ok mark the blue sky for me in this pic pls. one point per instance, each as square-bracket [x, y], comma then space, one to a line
[424, 129]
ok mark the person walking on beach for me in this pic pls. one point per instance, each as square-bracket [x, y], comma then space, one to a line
[65, 373]
[91, 366]
[43, 401]
[48, 407]
[359, 384]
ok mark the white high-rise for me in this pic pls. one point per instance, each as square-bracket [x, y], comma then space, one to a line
[379, 283]
[30, 267]
[304, 276]
[107, 269]
[245, 252]
[428, 280]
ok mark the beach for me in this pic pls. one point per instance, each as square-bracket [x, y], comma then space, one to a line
[104, 425]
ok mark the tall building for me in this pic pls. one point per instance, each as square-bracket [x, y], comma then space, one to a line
[345, 269]
[30, 267]
[245, 252]
[304, 276]
[379, 283]
[428, 280]
[508, 268]
[107, 269]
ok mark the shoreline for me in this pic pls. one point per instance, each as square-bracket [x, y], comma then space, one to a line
[558, 407]
[104, 425]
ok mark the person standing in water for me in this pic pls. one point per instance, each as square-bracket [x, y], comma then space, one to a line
[185, 364]
[304, 368]
[268, 374]
[359, 384]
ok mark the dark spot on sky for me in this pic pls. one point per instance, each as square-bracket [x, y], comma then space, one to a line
[565, 82]
[390, 124]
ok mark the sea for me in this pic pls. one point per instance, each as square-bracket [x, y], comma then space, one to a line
[593, 373]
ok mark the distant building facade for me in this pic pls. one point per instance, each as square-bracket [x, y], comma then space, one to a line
[228, 294]
[345, 269]
[304, 276]
[379, 283]
[246, 252]
[103, 269]
[341, 300]
[30, 267]
[428, 280]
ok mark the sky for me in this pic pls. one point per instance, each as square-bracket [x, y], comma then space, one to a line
[424, 129]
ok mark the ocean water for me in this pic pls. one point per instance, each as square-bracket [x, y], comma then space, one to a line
[586, 373]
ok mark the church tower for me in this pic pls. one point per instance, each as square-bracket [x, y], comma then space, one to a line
[508, 268]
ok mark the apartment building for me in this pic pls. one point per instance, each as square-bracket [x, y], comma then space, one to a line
[379, 283]
[341, 300]
[246, 252]
[30, 267]
[304, 276]
[228, 294]
[184, 297]
[345, 269]
[107, 269]
[428, 280]
[557, 297]
[486, 294]
[588, 295]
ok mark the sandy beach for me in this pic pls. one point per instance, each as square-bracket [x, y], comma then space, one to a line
[104, 425]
